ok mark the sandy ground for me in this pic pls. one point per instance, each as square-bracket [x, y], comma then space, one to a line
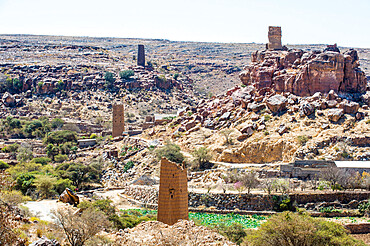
[43, 208]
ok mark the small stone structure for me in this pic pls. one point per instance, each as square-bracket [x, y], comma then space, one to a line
[173, 193]
[118, 120]
[141, 55]
[274, 38]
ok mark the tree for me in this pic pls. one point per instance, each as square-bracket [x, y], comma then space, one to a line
[226, 133]
[45, 185]
[250, 180]
[172, 152]
[24, 154]
[290, 229]
[79, 228]
[109, 79]
[338, 178]
[60, 137]
[202, 158]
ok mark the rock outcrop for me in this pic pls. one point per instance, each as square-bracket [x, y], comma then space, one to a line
[305, 73]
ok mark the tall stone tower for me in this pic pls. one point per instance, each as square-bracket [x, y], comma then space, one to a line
[140, 55]
[173, 193]
[274, 38]
[118, 120]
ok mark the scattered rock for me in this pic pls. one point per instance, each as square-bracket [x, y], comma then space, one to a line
[277, 103]
[335, 114]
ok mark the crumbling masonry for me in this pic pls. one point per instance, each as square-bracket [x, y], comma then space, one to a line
[118, 120]
[274, 38]
[173, 193]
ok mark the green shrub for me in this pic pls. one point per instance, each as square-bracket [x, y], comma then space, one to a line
[109, 79]
[266, 117]
[329, 210]
[128, 165]
[61, 184]
[302, 139]
[93, 135]
[3, 165]
[202, 159]
[126, 74]
[172, 152]
[57, 123]
[24, 182]
[234, 232]
[60, 158]
[290, 229]
[364, 208]
[12, 148]
[60, 137]
[176, 76]
[45, 185]
[283, 203]
[41, 160]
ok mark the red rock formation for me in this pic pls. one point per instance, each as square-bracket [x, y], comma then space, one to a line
[304, 73]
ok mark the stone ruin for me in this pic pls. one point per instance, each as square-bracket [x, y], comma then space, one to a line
[173, 193]
[304, 73]
[141, 55]
[118, 120]
[274, 36]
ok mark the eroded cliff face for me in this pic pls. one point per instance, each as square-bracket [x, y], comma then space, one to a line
[305, 73]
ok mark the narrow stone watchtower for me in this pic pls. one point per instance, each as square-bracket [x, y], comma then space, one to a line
[173, 193]
[141, 55]
[274, 38]
[118, 120]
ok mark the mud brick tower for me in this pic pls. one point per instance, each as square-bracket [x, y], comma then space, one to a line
[118, 120]
[173, 193]
[274, 38]
[140, 55]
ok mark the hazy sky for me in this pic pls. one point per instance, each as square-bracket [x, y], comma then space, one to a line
[344, 22]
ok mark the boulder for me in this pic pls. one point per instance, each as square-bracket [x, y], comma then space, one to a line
[282, 129]
[306, 109]
[8, 99]
[277, 103]
[335, 114]
[255, 107]
[349, 107]
[68, 196]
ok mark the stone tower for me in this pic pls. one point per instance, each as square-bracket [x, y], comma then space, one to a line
[118, 120]
[173, 193]
[274, 38]
[141, 55]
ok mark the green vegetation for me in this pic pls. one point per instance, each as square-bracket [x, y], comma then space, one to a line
[364, 208]
[60, 137]
[201, 159]
[293, 229]
[57, 123]
[172, 152]
[176, 76]
[329, 210]
[302, 139]
[128, 166]
[126, 74]
[3, 165]
[109, 80]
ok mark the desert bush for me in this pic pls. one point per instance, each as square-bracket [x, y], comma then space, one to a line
[79, 173]
[61, 184]
[302, 139]
[126, 74]
[226, 133]
[290, 229]
[283, 203]
[24, 154]
[234, 232]
[78, 228]
[364, 208]
[201, 159]
[24, 182]
[171, 151]
[109, 79]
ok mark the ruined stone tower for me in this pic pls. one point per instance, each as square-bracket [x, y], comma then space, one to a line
[118, 120]
[173, 193]
[140, 55]
[274, 38]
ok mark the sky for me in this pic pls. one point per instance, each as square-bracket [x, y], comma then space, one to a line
[343, 22]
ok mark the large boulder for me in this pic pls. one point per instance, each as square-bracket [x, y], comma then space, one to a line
[277, 103]
[335, 114]
[68, 196]
[306, 109]
[8, 99]
[349, 107]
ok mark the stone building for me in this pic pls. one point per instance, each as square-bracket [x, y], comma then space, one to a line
[118, 120]
[173, 193]
[141, 55]
[274, 38]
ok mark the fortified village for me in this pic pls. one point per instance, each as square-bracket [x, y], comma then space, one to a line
[109, 137]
